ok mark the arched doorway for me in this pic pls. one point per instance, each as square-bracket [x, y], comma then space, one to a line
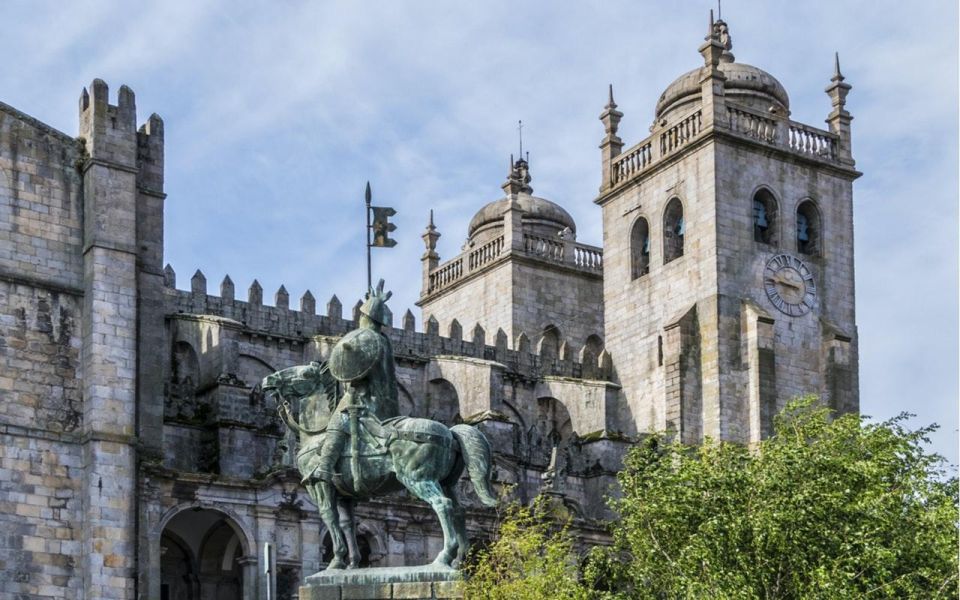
[201, 553]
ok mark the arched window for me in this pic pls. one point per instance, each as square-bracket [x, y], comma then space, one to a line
[765, 218]
[808, 228]
[674, 229]
[639, 249]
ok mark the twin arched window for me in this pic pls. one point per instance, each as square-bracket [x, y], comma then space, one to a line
[766, 226]
[674, 230]
[765, 230]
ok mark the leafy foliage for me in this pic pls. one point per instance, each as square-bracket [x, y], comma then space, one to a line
[825, 508]
[532, 558]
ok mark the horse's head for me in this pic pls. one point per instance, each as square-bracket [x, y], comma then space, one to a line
[296, 382]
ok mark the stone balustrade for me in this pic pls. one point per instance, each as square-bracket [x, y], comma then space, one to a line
[447, 273]
[677, 136]
[812, 141]
[566, 252]
[485, 253]
[548, 248]
[741, 121]
[752, 124]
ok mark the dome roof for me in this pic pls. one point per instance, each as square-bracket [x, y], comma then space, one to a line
[539, 209]
[744, 82]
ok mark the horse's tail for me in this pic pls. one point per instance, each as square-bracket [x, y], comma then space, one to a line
[476, 455]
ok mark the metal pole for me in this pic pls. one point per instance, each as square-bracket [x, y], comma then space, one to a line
[369, 276]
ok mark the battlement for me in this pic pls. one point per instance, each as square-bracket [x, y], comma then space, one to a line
[409, 344]
[109, 131]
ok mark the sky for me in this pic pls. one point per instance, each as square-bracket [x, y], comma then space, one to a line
[276, 114]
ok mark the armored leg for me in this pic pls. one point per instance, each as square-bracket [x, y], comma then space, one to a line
[330, 454]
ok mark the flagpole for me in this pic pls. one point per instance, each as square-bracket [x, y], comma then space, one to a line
[369, 277]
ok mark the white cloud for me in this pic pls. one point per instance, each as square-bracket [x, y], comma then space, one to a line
[277, 116]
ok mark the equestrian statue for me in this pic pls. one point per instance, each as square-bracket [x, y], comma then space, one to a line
[354, 445]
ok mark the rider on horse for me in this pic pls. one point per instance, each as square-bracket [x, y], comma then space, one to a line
[363, 361]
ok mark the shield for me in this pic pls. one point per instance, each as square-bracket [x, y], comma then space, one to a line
[355, 354]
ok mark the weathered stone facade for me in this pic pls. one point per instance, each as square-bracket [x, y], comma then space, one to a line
[138, 458]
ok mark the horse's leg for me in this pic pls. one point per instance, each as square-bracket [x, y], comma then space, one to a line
[459, 525]
[349, 526]
[430, 492]
[329, 516]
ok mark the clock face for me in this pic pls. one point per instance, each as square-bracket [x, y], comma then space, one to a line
[789, 285]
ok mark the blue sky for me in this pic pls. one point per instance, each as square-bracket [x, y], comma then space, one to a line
[277, 113]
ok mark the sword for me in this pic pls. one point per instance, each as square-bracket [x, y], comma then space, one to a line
[354, 410]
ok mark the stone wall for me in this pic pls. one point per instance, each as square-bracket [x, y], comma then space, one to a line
[485, 300]
[637, 310]
[696, 343]
[41, 412]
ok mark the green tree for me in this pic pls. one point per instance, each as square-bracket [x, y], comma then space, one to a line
[824, 508]
[531, 558]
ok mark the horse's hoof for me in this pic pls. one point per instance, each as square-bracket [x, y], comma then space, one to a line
[443, 560]
[353, 565]
[336, 563]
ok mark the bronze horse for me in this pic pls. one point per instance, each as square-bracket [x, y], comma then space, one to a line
[421, 455]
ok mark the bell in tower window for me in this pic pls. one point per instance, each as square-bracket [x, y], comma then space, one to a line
[808, 229]
[674, 229]
[640, 248]
[765, 218]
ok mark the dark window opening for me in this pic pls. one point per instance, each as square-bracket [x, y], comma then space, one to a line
[639, 249]
[765, 218]
[674, 230]
[808, 229]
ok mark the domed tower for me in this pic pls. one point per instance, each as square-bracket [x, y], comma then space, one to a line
[521, 271]
[728, 253]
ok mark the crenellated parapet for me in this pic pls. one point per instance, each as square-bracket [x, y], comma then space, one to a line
[253, 317]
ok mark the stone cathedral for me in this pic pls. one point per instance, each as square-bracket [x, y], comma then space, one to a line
[140, 460]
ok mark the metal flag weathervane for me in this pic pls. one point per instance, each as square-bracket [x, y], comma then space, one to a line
[378, 230]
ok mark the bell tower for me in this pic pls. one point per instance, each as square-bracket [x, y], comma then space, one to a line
[728, 253]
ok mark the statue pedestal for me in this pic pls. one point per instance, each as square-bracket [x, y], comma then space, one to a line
[428, 582]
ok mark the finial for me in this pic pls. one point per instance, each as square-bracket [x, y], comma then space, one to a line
[430, 237]
[520, 135]
[610, 103]
[837, 75]
[367, 194]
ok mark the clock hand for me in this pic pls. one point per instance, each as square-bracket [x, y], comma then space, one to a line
[783, 281]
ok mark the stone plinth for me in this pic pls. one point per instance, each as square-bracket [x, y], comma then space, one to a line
[428, 582]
